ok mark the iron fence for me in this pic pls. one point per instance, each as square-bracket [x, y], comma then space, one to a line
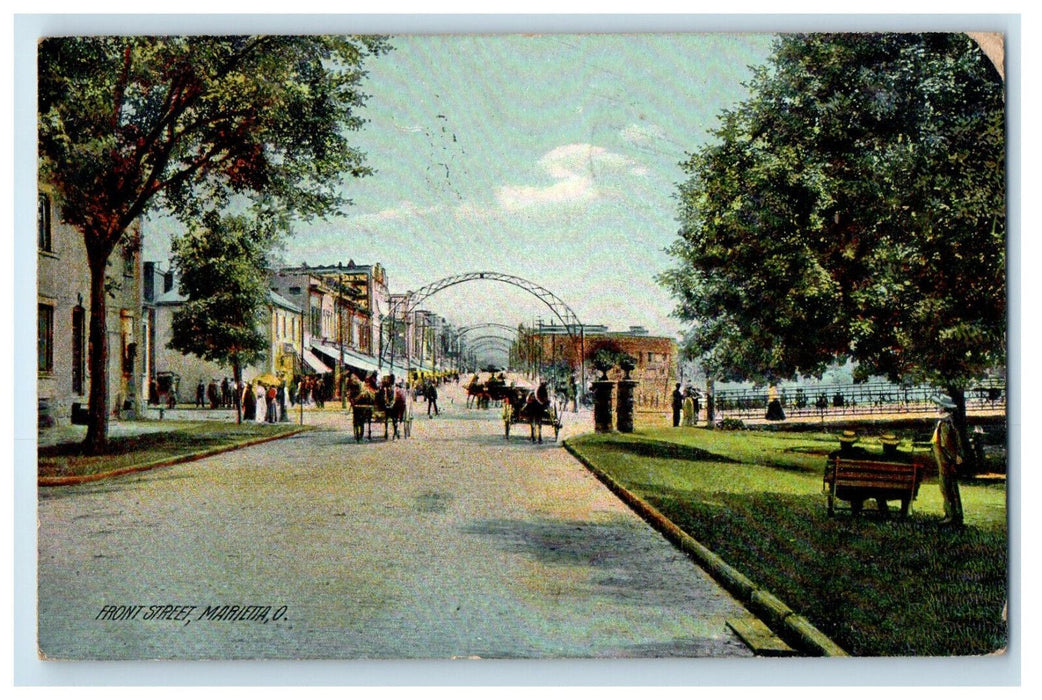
[850, 399]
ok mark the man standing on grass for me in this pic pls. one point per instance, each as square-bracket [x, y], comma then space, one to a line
[678, 401]
[947, 452]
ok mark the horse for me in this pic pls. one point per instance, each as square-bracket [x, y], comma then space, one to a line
[362, 412]
[395, 410]
[534, 410]
[475, 389]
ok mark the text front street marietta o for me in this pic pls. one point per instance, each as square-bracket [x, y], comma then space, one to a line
[214, 613]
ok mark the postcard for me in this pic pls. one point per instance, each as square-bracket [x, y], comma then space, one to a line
[522, 346]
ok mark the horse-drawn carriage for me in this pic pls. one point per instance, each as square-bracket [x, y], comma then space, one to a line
[521, 405]
[387, 405]
[493, 391]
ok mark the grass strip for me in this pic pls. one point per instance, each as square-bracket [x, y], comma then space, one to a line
[66, 463]
[877, 586]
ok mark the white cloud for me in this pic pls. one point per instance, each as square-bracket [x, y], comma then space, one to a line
[642, 134]
[576, 168]
[404, 210]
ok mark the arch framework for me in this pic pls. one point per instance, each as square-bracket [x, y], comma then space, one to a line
[557, 306]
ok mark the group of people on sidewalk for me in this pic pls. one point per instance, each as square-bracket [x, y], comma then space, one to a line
[686, 404]
[214, 395]
[271, 400]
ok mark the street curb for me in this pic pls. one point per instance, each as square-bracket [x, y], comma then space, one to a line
[168, 462]
[774, 613]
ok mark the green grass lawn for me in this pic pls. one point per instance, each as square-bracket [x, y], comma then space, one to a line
[133, 451]
[878, 586]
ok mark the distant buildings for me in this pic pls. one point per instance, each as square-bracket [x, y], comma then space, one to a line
[280, 321]
[548, 345]
[323, 320]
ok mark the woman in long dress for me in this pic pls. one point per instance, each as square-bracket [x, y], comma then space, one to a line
[249, 403]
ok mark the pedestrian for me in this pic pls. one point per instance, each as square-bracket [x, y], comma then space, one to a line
[432, 398]
[573, 393]
[226, 394]
[947, 452]
[687, 410]
[697, 407]
[211, 394]
[280, 399]
[261, 399]
[318, 393]
[249, 403]
[271, 414]
[200, 394]
[678, 400]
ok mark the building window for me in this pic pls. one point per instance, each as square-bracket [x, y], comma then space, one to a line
[78, 345]
[128, 260]
[316, 322]
[43, 223]
[294, 290]
[45, 338]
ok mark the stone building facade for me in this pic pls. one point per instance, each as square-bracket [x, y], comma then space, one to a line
[63, 317]
[280, 322]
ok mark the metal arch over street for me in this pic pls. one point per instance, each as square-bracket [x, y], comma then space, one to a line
[560, 309]
[467, 329]
[491, 339]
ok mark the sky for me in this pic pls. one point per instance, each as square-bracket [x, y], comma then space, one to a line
[553, 158]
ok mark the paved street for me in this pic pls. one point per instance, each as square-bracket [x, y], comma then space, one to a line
[454, 543]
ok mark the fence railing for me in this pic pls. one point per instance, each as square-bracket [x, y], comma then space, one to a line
[850, 399]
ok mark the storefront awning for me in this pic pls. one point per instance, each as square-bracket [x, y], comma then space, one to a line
[351, 358]
[315, 363]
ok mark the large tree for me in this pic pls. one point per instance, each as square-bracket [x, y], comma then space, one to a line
[222, 267]
[853, 207]
[188, 124]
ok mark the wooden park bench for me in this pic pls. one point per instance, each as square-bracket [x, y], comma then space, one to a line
[857, 480]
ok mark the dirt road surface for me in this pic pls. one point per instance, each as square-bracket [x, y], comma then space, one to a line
[452, 543]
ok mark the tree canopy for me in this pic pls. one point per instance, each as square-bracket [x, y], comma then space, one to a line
[188, 125]
[185, 123]
[853, 207]
[223, 275]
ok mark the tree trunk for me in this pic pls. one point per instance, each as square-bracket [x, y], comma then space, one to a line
[969, 457]
[710, 404]
[97, 439]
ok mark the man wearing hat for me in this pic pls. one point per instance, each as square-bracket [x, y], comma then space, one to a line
[889, 441]
[846, 445]
[678, 401]
[947, 452]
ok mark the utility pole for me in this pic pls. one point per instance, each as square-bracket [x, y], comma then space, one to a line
[306, 304]
[340, 331]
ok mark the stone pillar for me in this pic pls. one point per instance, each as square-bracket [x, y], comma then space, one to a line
[602, 390]
[624, 406]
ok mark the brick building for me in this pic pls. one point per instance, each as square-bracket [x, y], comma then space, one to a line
[545, 346]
